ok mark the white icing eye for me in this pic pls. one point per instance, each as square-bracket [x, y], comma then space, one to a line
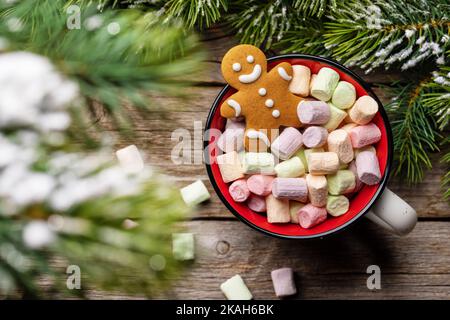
[269, 103]
[250, 59]
[262, 91]
[276, 113]
[236, 67]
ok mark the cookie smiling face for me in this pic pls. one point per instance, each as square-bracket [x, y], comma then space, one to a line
[242, 65]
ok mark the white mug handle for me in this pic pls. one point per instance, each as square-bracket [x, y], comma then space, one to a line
[393, 213]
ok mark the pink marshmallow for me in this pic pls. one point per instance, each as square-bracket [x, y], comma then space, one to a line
[362, 136]
[287, 143]
[239, 190]
[283, 282]
[260, 185]
[310, 216]
[358, 183]
[232, 139]
[256, 203]
[290, 188]
[313, 112]
[368, 168]
[315, 137]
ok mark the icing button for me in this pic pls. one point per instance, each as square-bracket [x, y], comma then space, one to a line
[276, 113]
[262, 91]
[269, 103]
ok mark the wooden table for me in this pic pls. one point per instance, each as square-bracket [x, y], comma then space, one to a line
[416, 266]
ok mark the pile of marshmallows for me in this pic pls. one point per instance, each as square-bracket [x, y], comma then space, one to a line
[309, 173]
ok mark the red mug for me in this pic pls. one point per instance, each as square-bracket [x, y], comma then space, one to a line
[376, 202]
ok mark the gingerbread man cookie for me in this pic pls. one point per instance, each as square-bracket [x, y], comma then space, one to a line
[263, 98]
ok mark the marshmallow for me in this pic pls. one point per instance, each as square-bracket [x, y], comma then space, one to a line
[366, 148]
[300, 80]
[306, 152]
[313, 112]
[320, 163]
[362, 136]
[314, 136]
[277, 210]
[348, 127]
[230, 166]
[290, 188]
[310, 216]
[363, 110]
[337, 205]
[340, 143]
[259, 162]
[317, 190]
[232, 139]
[195, 193]
[283, 282]
[341, 182]
[344, 95]
[287, 143]
[294, 207]
[239, 190]
[260, 185]
[291, 168]
[256, 203]
[358, 183]
[183, 246]
[235, 289]
[336, 117]
[311, 82]
[368, 168]
[325, 83]
[301, 155]
[130, 159]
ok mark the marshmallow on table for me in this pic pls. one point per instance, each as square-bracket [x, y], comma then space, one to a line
[235, 289]
[336, 117]
[195, 193]
[341, 182]
[315, 137]
[368, 168]
[287, 143]
[337, 205]
[130, 159]
[300, 80]
[291, 168]
[317, 190]
[183, 246]
[260, 185]
[325, 83]
[310, 216]
[313, 112]
[320, 163]
[340, 143]
[256, 203]
[277, 210]
[294, 207]
[283, 282]
[358, 183]
[230, 166]
[366, 148]
[363, 110]
[290, 188]
[344, 95]
[348, 127]
[232, 139]
[259, 163]
[239, 190]
[362, 136]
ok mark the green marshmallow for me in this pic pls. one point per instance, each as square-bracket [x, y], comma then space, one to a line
[294, 207]
[336, 117]
[291, 168]
[337, 205]
[183, 246]
[301, 155]
[324, 84]
[343, 181]
[258, 163]
[344, 95]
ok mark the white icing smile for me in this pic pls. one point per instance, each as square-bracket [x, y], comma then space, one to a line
[236, 106]
[253, 134]
[251, 77]
[284, 74]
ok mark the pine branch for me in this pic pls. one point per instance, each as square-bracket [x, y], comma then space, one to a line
[437, 97]
[200, 13]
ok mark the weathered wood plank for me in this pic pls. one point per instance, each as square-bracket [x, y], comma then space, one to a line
[417, 266]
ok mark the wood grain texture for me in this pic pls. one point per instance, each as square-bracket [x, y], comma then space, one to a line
[416, 266]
